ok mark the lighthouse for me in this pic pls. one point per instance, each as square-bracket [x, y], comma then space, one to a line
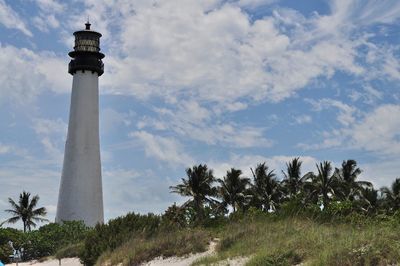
[80, 196]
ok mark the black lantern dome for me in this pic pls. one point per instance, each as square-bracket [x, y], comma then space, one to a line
[86, 54]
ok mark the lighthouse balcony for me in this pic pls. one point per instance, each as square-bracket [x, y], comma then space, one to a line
[86, 64]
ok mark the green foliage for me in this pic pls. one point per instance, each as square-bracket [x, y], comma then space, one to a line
[107, 237]
[177, 217]
[340, 208]
[166, 244]
[275, 240]
[9, 234]
[43, 242]
[52, 237]
[5, 251]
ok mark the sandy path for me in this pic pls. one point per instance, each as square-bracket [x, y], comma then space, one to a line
[172, 261]
[182, 261]
[188, 260]
[64, 262]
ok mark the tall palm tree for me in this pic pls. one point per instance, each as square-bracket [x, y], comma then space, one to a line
[266, 190]
[350, 186]
[233, 189]
[392, 195]
[25, 211]
[293, 181]
[324, 184]
[199, 187]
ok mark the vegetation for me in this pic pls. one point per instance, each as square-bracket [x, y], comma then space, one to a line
[233, 190]
[329, 217]
[270, 239]
[25, 211]
[197, 186]
[165, 243]
[107, 237]
[43, 242]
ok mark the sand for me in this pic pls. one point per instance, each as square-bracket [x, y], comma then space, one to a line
[187, 260]
[64, 262]
[172, 261]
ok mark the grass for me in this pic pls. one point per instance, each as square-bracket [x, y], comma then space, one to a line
[165, 244]
[272, 240]
[290, 241]
[69, 251]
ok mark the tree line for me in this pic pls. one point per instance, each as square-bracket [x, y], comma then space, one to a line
[327, 189]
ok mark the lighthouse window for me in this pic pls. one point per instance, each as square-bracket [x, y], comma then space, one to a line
[91, 45]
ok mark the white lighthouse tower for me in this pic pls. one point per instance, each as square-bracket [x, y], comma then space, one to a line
[81, 196]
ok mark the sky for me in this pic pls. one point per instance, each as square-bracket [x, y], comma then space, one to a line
[227, 83]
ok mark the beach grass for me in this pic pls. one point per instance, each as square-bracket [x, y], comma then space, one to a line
[164, 244]
[291, 241]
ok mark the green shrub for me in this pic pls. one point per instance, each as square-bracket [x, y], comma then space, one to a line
[6, 235]
[5, 251]
[42, 242]
[52, 237]
[176, 217]
[164, 243]
[116, 232]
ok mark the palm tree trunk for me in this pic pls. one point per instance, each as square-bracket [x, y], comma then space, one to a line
[325, 200]
[199, 209]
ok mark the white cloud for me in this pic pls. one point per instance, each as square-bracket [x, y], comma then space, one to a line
[45, 22]
[379, 131]
[381, 173]
[11, 19]
[183, 48]
[190, 120]
[52, 135]
[368, 12]
[254, 3]
[164, 149]
[46, 19]
[110, 120]
[303, 119]
[4, 149]
[368, 95]
[127, 190]
[346, 115]
[50, 6]
[49, 127]
[376, 131]
[24, 74]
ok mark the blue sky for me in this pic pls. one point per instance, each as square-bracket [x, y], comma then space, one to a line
[227, 83]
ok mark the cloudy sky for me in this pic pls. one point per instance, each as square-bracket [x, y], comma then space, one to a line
[228, 83]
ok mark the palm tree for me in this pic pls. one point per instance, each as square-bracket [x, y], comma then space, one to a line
[347, 176]
[392, 195]
[371, 201]
[198, 186]
[266, 190]
[25, 211]
[323, 184]
[293, 181]
[233, 188]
